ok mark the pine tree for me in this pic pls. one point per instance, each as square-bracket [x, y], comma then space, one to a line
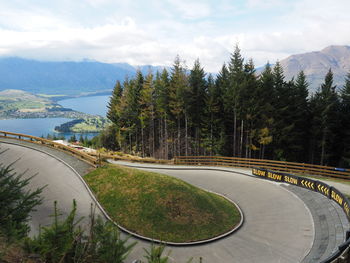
[283, 119]
[128, 112]
[248, 107]
[211, 119]
[222, 83]
[178, 91]
[299, 107]
[262, 133]
[17, 202]
[197, 94]
[325, 111]
[161, 94]
[231, 96]
[345, 124]
[147, 115]
[112, 113]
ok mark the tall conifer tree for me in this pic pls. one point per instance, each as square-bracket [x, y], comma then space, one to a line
[345, 123]
[178, 91]
[197, 94]
[112, 113]
[231, 97]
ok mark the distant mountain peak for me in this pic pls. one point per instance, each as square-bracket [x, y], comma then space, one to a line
[335, 48]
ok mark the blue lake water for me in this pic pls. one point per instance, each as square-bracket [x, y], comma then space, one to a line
[91, 105]
[43, 126]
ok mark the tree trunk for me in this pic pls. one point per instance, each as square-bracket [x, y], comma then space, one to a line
[136, 142]
[130, 143]
[160, 139]
[186, 136]
[246, 143]
[142, 142]
[152, 143]
[234, 133]
[263, 151]
[211, 135]
[323, 144]
[241, 141]
[178, 136]
[166, 138]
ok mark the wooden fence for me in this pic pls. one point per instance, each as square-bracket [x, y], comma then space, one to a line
[287, 167]
[33, 139]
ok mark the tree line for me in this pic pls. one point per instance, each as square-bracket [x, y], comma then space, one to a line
[237, 113]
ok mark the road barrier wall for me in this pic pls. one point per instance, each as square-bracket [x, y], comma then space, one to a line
[342, 254]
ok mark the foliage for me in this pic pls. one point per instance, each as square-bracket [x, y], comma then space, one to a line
[56, 242]
[65, 241]
[155, 254]
[186, 112]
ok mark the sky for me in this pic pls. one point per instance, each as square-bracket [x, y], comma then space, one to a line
[153, 32]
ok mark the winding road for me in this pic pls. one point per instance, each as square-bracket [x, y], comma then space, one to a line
[282, 224]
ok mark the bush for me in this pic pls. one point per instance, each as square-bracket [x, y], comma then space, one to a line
[65, 241]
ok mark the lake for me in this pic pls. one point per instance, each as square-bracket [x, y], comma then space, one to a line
[96, 105]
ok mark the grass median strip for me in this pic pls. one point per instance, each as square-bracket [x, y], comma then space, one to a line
[160, 206]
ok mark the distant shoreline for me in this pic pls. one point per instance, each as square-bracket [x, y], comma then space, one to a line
[48, 105]
[66, 97]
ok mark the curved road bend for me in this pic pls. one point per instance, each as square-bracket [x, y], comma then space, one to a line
[278, 227]
[275, 221]
[63, 184]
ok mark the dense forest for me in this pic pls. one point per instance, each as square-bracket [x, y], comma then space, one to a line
[237, 113]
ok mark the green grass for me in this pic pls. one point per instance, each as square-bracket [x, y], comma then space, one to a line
[159, 206]
[10, 105]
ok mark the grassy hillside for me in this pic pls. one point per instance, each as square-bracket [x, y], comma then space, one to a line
[161, 207]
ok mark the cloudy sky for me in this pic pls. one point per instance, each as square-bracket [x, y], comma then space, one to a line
[154, 31]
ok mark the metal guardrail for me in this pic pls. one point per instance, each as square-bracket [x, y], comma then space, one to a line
[94, 161]
[281, 166]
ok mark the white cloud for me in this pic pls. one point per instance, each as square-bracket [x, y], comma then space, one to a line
[264, 3]
[191, 9]
[98, 3]
[122, 36]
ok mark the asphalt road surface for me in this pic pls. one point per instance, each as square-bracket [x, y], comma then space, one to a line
[278, 225]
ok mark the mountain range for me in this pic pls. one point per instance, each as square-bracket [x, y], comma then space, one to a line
[78, 78]
[64, 78]
[316, 65]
